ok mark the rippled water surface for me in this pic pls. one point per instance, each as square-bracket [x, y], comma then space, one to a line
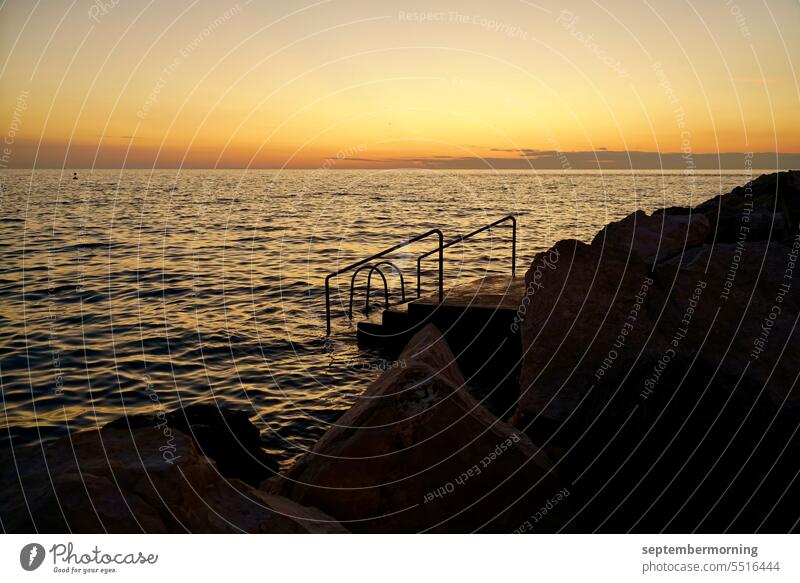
[127, 291]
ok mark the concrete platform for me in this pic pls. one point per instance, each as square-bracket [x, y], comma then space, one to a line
[476, 304]
[477, 320]
[495, 291]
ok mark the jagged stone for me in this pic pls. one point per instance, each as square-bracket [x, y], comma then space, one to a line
[417, 453]
[651, 374]
[137, 480]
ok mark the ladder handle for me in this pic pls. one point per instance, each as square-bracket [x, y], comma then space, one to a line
[385, 286]
[352, 286]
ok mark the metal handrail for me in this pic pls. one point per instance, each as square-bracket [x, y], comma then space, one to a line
[461, 238]
[436, 232]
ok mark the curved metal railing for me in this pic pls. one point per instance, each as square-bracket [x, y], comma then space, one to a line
[377, 267]
[353, 287]
[372, 269]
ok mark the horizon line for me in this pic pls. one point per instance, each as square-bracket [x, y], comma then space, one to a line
[522, 159]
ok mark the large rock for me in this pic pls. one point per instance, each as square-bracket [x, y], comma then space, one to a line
[768, 206]
[585, 306]
[669, 373]
[225, 435]
[746, 324]
[417, 453]
[594, 311]
[585, 310]
[137, 480]
[655, 237]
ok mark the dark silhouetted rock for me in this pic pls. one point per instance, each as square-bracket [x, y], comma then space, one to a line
[417, 453]
[654, 237]
[770, 203]
[670, 388]
[225, 435]
[139, 480]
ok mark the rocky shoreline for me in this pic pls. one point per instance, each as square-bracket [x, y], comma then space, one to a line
[670, 397]
[658, 392]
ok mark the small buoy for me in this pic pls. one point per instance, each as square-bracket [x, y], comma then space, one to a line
[74, 175]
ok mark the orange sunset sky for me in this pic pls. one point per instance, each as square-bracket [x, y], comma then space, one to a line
[343, 84]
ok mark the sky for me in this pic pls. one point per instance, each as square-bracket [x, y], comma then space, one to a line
[429, 84]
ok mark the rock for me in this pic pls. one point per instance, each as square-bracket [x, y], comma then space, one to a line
[748, 286]
[585, 306]
[225, 435]
[295, 518]
[768, 206]
[600, 307]
[417, 453]
[655, 384]
[82, 503]
[654, 238]
[137, 480]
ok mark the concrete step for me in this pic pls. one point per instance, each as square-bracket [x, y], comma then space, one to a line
[393, 328]
[484, 308]
[370, 332]
[373, 334]
[396, 316]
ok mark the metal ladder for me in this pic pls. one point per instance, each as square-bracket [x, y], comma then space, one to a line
[364, 264]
